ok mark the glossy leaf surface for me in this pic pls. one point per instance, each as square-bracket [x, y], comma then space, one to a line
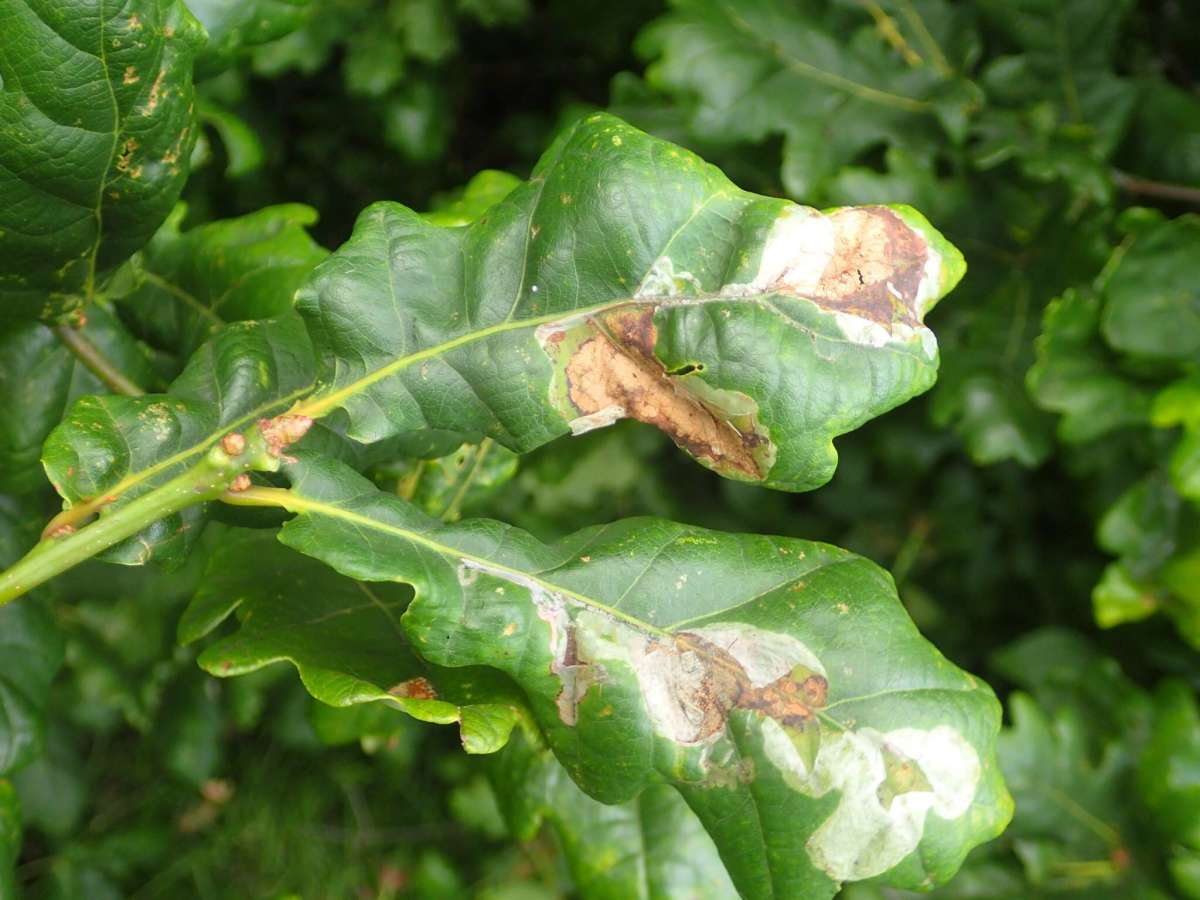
[42, 379]
[31, 651]
[629, 279]
[188, 284]
[744, 670]
[343, 637]
[97, 112]
[237, 26]
[1152, 304]
[110, 450]
[752, 69]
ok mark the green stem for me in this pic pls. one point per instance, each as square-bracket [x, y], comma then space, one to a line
[57, 554]
[99, 364]
[258, 450]
[205, 481]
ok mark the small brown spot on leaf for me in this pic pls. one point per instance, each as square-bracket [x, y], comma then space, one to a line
[417, 688]
[130, 76]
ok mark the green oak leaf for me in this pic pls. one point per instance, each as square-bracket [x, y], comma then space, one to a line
[237, 26]
[10, 839]
[1056, 105]
[1156, 535]
[832, 81]
[244, 151]
[1061, 59]
[650, 848]
[1070, 757]
[1072, 800]
[109, 450]
[96, 105]
[1119, 597]
[42, 378]
[1177, 404]
[1142, 525]
[1077, 377]
[627, 278]
[1185, 465]
[744, 670]
[343, 637]
[1152, 293]
[32, 651]
[184, 286]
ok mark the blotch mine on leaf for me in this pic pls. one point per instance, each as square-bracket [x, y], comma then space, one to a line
[605, 370]
[693, 680]
[887, 784]
[867, 266]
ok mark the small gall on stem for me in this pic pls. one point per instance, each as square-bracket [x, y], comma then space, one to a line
[239, 484]
[283, 431]
[233, 443]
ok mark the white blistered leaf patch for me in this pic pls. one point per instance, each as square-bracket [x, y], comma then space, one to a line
[874, 828]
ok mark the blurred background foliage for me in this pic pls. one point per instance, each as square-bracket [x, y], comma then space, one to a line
[1039, 509]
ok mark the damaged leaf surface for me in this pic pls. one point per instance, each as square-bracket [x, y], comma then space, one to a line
[627, 278]
[746, 671]
[96, 109]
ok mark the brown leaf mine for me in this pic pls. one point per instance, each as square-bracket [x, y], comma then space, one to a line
[876, 267]
[606, 370]
[694, 680]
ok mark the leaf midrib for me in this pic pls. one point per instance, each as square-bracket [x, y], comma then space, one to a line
[128, 482]
[301, 505]
[323, 404]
